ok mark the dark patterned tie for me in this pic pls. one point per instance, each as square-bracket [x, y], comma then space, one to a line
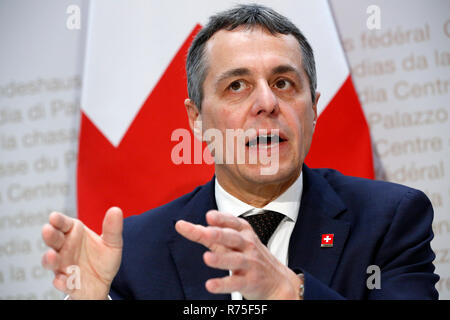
[264, 222]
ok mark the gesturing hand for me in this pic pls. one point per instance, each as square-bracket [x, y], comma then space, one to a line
[97, 257]
[234, 246]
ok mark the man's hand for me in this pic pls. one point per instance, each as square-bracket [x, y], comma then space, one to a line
[234, 246]
[97, 257]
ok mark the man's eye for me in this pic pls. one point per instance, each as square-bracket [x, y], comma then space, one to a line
[237, 86]
[282, 84]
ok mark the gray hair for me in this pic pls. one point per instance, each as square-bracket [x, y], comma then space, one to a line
[249, 15]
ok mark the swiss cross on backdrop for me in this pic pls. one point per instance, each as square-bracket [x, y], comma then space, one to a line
[134, 87]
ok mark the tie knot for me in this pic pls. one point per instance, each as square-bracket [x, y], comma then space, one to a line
[264, 223]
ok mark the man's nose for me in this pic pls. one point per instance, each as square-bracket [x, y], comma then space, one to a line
[266, 102]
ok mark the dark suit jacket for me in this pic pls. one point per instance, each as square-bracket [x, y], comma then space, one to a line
[373, 222]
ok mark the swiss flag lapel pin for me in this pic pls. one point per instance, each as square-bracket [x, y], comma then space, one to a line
[327, 240]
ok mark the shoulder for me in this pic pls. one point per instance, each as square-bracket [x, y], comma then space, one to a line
[366, 190]
[381, 211]
[377, 203]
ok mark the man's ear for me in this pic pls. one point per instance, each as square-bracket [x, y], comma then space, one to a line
[315, 108]
[195, 118]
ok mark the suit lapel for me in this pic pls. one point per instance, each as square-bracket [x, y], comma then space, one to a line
[319, 208]
[188, 255]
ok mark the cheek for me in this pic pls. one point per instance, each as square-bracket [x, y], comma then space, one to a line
[209, 115]
[301, 124]
[225, 118]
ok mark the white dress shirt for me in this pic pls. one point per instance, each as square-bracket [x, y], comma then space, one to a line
[287, 204]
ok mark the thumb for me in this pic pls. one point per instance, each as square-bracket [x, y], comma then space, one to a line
[112, 227]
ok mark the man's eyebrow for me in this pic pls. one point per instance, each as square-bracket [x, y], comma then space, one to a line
[285, 68]
[233, 73]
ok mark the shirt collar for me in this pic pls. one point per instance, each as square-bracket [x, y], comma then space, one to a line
[288, 203]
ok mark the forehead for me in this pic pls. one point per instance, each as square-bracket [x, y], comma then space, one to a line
[254, 48]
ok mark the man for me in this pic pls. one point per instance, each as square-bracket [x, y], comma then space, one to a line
[295, 233]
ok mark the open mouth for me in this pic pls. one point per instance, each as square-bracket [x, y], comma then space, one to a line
[265, 141]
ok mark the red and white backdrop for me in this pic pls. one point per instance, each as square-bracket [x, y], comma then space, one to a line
[86, 121]
[134, 86]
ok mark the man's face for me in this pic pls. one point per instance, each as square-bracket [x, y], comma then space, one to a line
[255, 80]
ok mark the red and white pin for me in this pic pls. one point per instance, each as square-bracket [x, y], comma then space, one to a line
[327, 240]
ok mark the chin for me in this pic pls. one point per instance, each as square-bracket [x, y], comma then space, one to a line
[269, 174]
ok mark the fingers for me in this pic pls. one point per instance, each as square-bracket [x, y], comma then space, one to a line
[61, 222]
[60, 282]
[231, 260]
[226, 220]
[211, 237]
[52, 237]
[51, 260]
[112, 227]
[190, 231]
[226, 284]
